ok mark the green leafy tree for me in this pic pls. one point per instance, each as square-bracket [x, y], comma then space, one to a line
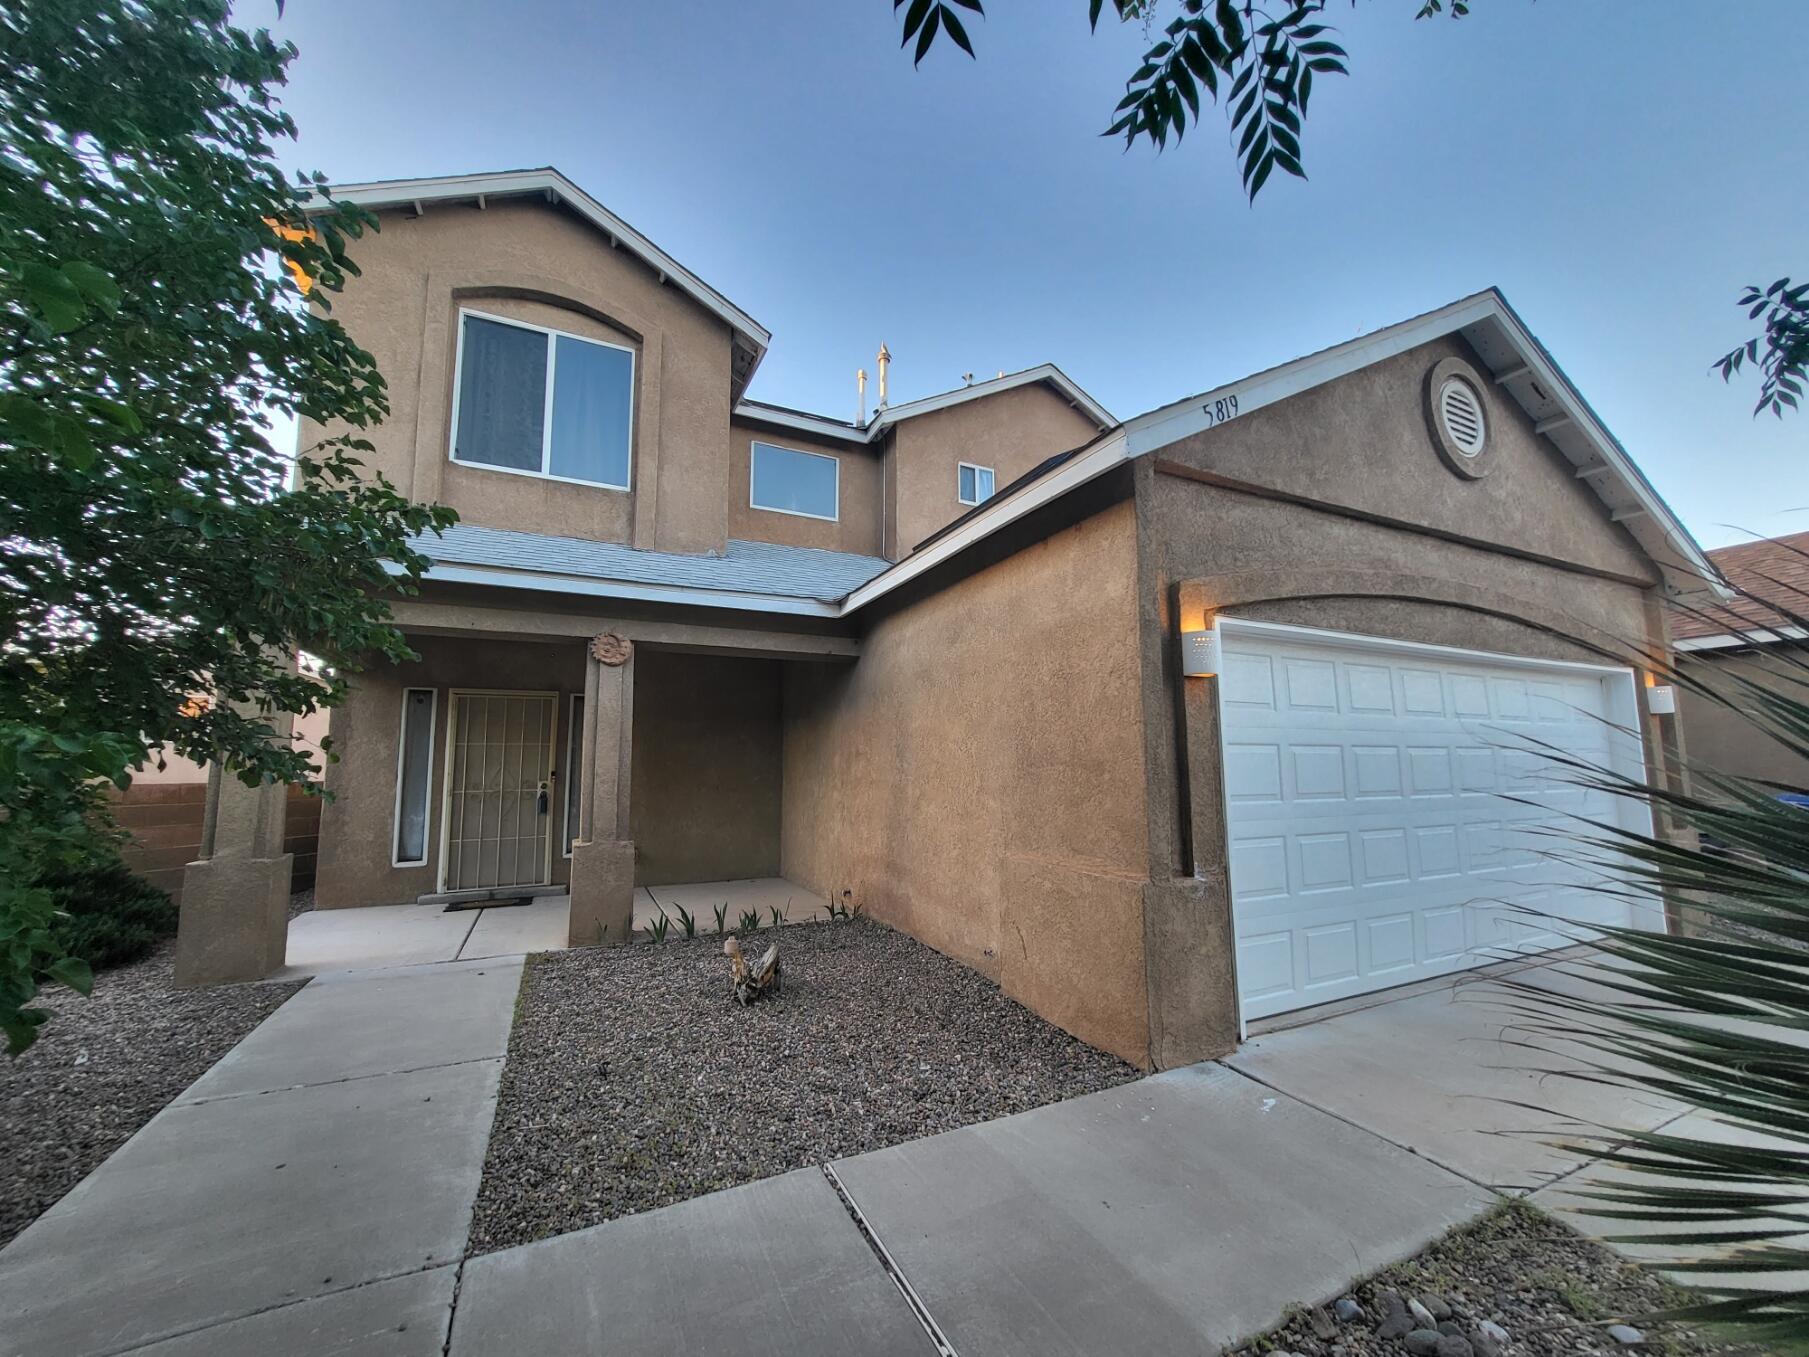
[156, 545]
[1260, 62]
[1781, 353]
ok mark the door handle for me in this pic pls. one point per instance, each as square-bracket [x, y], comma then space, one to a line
[540, 802]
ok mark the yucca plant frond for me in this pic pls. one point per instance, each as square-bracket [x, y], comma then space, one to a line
[1712, 1013]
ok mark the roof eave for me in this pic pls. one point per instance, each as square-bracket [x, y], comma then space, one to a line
[1049, 373]
[752, 337]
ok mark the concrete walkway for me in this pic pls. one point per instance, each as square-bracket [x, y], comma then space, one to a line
[311, 1193]
[325, 940]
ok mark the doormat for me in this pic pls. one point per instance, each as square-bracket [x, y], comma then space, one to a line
[458, 905]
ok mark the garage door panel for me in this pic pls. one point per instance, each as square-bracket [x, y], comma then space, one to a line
[1387, 812]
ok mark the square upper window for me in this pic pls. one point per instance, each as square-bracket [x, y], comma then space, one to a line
[973, 484]
[787, 481]
[540, 402]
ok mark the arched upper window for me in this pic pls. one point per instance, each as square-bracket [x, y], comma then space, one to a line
[541, 402]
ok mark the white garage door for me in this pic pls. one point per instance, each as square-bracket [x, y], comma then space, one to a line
[1376, 798]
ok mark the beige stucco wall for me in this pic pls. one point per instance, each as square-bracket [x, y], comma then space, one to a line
[1723, 740]
[1010, 432]
[706, 788]
[976, 779]
[538, 262]
[1361, 442]
[858, 525]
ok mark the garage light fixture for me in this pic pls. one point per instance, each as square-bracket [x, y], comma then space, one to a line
[1200, 653]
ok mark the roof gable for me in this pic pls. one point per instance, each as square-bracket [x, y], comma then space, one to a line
[750, 337]
[1515, 360]
[889, 416]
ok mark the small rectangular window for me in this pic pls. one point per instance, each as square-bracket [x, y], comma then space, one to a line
[543, 403]
[790, 482]
[414, 777]
[973, 483]
[574, 768]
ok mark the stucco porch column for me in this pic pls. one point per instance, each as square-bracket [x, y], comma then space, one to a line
[234, 920]
[602, 884]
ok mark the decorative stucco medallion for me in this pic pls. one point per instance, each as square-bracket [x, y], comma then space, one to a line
[611, 649]
[1457, 416]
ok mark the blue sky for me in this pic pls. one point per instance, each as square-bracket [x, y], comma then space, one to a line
[1618, 170]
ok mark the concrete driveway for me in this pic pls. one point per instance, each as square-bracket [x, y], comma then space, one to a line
[1440, 1072]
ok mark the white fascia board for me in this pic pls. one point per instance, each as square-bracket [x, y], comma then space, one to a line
[998, 512]
[623, 589]
[1184, 418]
[821, 427]
[1043, 372]
[1170, 424]
[403, 192]
[1608, 449]
[1732, 640]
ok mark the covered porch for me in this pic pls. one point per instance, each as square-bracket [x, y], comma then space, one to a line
[374, 936]
[606, 769]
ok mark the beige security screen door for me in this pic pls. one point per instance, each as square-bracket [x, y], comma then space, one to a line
[497, 825]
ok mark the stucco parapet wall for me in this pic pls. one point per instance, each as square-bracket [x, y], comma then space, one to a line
[1197, 600]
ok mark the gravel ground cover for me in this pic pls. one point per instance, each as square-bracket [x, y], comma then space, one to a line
[634, 1081]
[103, 1067]
[1517, 1283]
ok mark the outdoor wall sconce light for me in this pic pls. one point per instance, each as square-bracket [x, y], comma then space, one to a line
[1661, 699]
[1200, 653]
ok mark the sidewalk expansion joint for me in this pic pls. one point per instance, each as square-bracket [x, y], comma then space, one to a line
[343, 1079]
[207, 1324]
[1366, 1130]
[892, 1270]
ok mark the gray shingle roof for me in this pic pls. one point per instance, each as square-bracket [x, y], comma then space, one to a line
[746, 567]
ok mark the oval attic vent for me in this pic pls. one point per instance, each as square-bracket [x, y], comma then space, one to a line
[1461, 410]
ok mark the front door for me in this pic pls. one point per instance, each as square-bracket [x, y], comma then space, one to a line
[497, 814]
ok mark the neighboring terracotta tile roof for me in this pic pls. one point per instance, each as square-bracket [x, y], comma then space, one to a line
[1758, 568]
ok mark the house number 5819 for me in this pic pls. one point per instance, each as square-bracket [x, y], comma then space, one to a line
[1220, 410]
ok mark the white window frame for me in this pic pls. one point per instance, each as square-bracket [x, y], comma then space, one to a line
[976, 468]
[754, 446]
[433, 730]
[546, 422]
[566, 834]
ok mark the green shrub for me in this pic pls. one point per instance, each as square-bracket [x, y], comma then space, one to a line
[107, 916]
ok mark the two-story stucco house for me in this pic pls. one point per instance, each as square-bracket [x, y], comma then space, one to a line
[1167, 725]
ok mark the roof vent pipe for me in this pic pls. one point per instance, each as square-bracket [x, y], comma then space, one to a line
[860, 383]
[885, 361]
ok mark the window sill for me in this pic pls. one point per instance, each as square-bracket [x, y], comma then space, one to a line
[541, 476]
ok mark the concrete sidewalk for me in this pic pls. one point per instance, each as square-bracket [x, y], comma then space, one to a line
[311, 1193]
[1178, 1213]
